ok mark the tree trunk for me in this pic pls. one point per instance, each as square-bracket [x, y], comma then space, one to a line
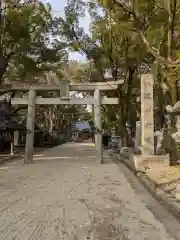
[50, 120]
[172, 6]
[4, 61]
[3, 67]
[121, 118]
[129, 93]
[125, 106]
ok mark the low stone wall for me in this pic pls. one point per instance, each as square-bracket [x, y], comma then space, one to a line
[152, 180]
[142, 162]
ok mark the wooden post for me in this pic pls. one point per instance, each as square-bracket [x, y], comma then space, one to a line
[64, 89]
[30, 127]
[97, 119]
[16, 138]
[12, 145]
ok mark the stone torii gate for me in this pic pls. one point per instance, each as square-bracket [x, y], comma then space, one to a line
[64, 87]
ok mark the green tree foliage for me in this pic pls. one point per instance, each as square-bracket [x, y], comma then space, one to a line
[157, 25]
[128, 38]
[27, 44]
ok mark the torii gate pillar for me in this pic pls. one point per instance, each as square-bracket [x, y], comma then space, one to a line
[98, 127]
[28, 159]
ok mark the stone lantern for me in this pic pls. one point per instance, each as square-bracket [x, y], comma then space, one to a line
[174, 145]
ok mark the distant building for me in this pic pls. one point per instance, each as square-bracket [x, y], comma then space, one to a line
[82, 130]
[82, 125]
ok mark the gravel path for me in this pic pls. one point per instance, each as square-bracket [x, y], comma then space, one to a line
[67, 194]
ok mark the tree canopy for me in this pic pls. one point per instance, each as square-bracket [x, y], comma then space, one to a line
[27, 45]
[126, 39]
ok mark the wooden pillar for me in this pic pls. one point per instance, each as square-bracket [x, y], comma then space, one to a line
[97, 120]
[64, 89]
[12, 145]
[30, 127]
[16, 138]
[138, 135]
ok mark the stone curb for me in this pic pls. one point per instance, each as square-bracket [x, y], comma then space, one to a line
[165, 199]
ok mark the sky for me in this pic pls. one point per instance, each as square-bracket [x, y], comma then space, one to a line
[82, 125]
[58, 9]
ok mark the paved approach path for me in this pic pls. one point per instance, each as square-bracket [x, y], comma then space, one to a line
[66, 192]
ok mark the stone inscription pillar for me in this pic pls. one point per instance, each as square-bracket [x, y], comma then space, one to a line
[147, 118]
